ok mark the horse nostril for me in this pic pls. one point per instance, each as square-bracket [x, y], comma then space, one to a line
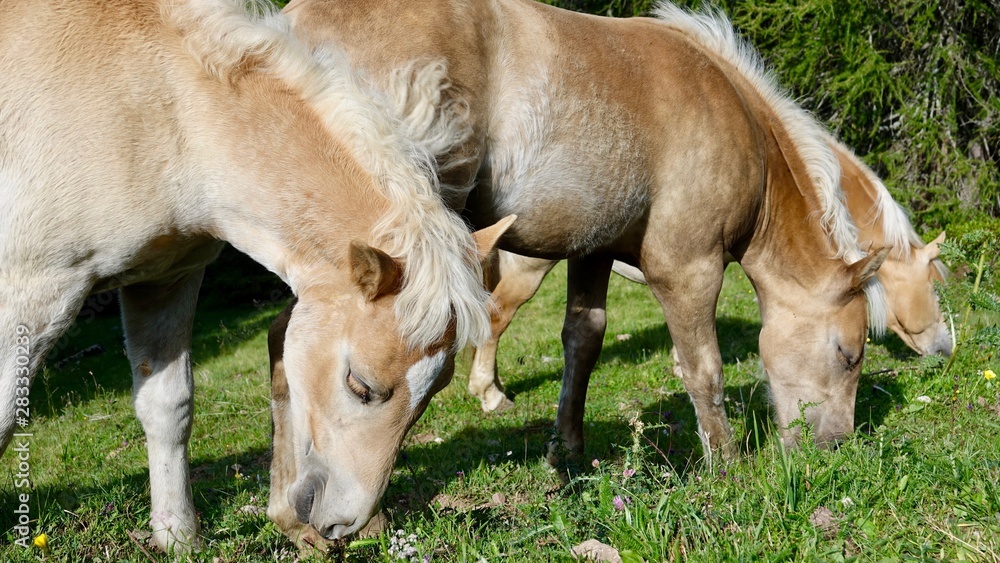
[849, 359]
[303, 502]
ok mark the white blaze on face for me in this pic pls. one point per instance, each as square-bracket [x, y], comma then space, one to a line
[422, 375]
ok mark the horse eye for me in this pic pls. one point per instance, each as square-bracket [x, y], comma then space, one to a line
[359, 388]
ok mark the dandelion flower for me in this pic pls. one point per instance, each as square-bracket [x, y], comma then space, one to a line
[42, 543]
[988, 374]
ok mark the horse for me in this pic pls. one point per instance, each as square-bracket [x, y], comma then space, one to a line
[661, 142]
[137, 136]
[908, 274]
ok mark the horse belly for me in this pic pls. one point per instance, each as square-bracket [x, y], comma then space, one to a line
[569, 201]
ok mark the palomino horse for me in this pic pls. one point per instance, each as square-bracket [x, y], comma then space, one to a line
[659, 142]
[908, 275]
[137, 135]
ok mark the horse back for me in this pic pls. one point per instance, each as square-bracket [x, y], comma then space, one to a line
[90, 139]
[633, 124]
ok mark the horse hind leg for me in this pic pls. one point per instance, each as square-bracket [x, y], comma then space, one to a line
[158, 320]
[520, 278]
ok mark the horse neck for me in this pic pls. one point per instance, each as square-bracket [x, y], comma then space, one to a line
[281, 188]
[861, 197]
[788, 243]
[880, 220]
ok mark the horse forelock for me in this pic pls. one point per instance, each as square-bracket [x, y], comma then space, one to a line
[878, 307]
[396, 135]
[713, 31]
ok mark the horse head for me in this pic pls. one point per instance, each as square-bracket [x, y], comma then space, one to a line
[830, 334]
[355, 385]
[914, 312]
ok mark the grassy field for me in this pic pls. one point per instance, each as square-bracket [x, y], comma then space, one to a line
[917, 481]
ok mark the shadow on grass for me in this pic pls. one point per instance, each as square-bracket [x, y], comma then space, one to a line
[90, 360]
[878, 395]
[897, 349]
[122, 504]
[669, 437]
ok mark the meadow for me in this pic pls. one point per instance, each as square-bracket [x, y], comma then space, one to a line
[918, 480]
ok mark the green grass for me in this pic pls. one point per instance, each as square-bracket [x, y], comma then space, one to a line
[918, 481]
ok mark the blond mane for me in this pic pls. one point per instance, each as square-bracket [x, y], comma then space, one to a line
[896, 227]
[713, 31]
[395, 140]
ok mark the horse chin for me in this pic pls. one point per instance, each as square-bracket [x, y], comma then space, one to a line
[831, 430]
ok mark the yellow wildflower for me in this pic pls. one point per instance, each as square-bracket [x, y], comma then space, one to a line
[42, 543]
[988, 374]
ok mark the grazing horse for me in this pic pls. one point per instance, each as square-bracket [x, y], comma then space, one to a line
[136, 135]
[661, 142]
[908, 275]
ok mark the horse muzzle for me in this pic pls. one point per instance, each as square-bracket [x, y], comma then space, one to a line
[334, 511]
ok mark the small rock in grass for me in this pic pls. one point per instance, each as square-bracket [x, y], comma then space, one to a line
[823, 520]
[594, 550]
[425, 438]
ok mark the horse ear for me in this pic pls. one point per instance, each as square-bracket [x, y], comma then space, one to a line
[866, 268]
[486, 239]
[932, 250]
[375, 272]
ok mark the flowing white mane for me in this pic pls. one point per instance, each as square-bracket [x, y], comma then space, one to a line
[711, 29]
[396, 140]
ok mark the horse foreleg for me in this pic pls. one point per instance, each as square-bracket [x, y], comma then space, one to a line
[520, 278]
[158, 320]
[34, 312]
[583, 337]
[688, 292]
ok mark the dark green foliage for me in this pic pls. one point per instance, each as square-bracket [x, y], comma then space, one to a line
[975, 288]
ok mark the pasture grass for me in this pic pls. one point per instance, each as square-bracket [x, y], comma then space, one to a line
[917, 481]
